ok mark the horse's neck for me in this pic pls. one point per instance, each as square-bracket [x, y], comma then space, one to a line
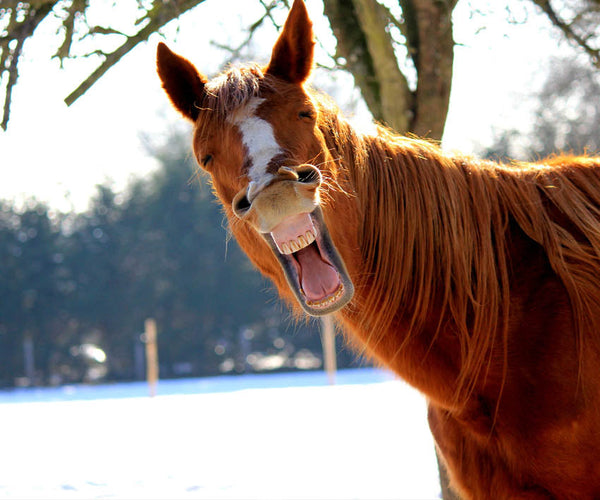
[360, 155]
[418, 297]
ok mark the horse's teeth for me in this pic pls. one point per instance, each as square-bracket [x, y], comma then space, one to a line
[329, 300]
[299, 243]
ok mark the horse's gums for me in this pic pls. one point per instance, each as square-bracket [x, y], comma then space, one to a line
[476, 282]
[294, 233]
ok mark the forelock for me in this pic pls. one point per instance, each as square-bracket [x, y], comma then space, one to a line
[232, 90]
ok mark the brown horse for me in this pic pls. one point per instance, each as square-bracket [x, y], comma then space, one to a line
[478, 283]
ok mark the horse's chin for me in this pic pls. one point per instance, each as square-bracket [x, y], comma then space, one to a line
[313, 268]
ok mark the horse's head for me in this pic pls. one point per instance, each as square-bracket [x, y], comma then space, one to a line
[256, 134]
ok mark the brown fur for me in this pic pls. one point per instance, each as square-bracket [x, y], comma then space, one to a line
[477, 282]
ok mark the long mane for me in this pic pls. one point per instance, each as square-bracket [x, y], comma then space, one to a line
[436, 234]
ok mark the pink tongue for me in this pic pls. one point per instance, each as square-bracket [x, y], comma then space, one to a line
[318, 279]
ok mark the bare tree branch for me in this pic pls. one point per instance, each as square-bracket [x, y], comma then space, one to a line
[77, 7]
[235, 51]
[569, 31]
[269, 8]
[158, 16]
[21, 31]
[13, 73]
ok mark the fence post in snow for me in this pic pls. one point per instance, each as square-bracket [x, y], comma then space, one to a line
[151, 355]
[328, 341]
[29, 359]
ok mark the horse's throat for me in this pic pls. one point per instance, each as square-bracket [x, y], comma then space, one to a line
[318, 278]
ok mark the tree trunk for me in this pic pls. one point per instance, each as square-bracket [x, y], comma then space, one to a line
[353, 49]
[433, 56]
[365, 43]
[394, 94]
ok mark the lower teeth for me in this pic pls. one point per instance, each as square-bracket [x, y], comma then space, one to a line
[329, 300]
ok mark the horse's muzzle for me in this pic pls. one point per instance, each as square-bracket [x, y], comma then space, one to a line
[288, 215]
[293, 191]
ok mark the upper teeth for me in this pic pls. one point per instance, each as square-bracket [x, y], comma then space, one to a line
[299, 243]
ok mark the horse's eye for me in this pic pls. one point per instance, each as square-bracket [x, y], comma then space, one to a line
[206, 160]
[307, 114]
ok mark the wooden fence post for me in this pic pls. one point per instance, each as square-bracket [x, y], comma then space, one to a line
[151, 355]
[328, 341]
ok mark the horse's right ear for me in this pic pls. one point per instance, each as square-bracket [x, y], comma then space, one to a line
[292, 56]
[181, 81]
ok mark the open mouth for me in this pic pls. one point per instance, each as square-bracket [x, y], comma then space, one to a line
[312, 265]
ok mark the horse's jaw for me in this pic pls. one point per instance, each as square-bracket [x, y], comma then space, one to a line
[311, 264]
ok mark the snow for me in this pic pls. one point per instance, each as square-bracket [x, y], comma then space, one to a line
[288, 436]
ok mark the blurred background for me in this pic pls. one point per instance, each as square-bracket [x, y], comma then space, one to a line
[105, 220]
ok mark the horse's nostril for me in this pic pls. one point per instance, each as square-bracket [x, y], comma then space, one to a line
[308, 175]
[241, 204]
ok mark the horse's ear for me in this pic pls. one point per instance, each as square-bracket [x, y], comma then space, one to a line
[292, 56]
[181, 81]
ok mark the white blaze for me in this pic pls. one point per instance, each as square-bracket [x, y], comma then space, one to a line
[259, 139]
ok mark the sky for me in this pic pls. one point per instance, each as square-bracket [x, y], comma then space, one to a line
[58, 154]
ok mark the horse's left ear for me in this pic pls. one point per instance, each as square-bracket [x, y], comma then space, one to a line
[292, 56]
[181, 81]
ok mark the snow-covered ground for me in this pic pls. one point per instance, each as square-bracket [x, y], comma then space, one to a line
[287, 436]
